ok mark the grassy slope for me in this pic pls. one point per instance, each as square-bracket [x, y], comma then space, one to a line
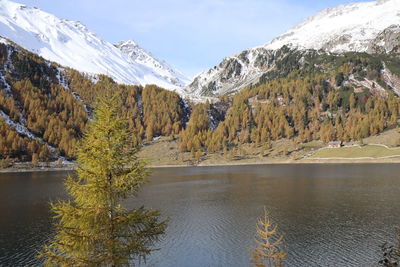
[164, 152]
[367, 151]
[373, 148]
[389, 138]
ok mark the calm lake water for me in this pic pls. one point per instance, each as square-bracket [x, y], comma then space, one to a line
[332, 215]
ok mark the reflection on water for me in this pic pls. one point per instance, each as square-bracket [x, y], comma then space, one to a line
[332, 215]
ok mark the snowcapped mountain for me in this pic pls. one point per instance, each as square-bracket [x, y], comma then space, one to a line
[71, 44]
[349, 27]
[360, 27]
[162, 68]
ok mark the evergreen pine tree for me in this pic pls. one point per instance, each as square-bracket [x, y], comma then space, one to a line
[93, 228]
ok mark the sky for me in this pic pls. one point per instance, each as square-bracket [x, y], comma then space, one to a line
[191, 35]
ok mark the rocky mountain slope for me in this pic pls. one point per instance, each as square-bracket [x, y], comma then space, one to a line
[372, 27]
[71, 44]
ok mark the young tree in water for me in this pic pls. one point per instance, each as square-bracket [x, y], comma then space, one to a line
[93, 228]
[269, 251]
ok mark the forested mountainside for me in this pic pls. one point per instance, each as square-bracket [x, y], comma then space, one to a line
[44, 107]
[312, 95]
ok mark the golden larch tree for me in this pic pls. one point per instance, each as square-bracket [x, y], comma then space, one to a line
[269, 251]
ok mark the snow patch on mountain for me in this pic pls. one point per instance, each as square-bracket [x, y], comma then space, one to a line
[21, 129]
[5, 86]
[61, 78]
[3, 40]
[71, 44]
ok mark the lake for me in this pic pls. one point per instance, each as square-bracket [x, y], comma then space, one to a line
[331, 215]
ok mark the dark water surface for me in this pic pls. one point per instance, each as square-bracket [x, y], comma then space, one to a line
[332, 215]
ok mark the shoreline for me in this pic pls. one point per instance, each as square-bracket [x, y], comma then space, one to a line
[288, 162]
[308, 161]
[35, 169]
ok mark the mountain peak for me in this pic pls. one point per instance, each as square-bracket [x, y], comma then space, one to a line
[134, 51]
[380, 2]
[129, 43]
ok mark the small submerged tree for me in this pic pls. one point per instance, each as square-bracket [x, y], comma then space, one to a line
[269, 251]
[93, 228]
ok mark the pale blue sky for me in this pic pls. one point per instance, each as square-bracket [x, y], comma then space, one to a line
[191, 35]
